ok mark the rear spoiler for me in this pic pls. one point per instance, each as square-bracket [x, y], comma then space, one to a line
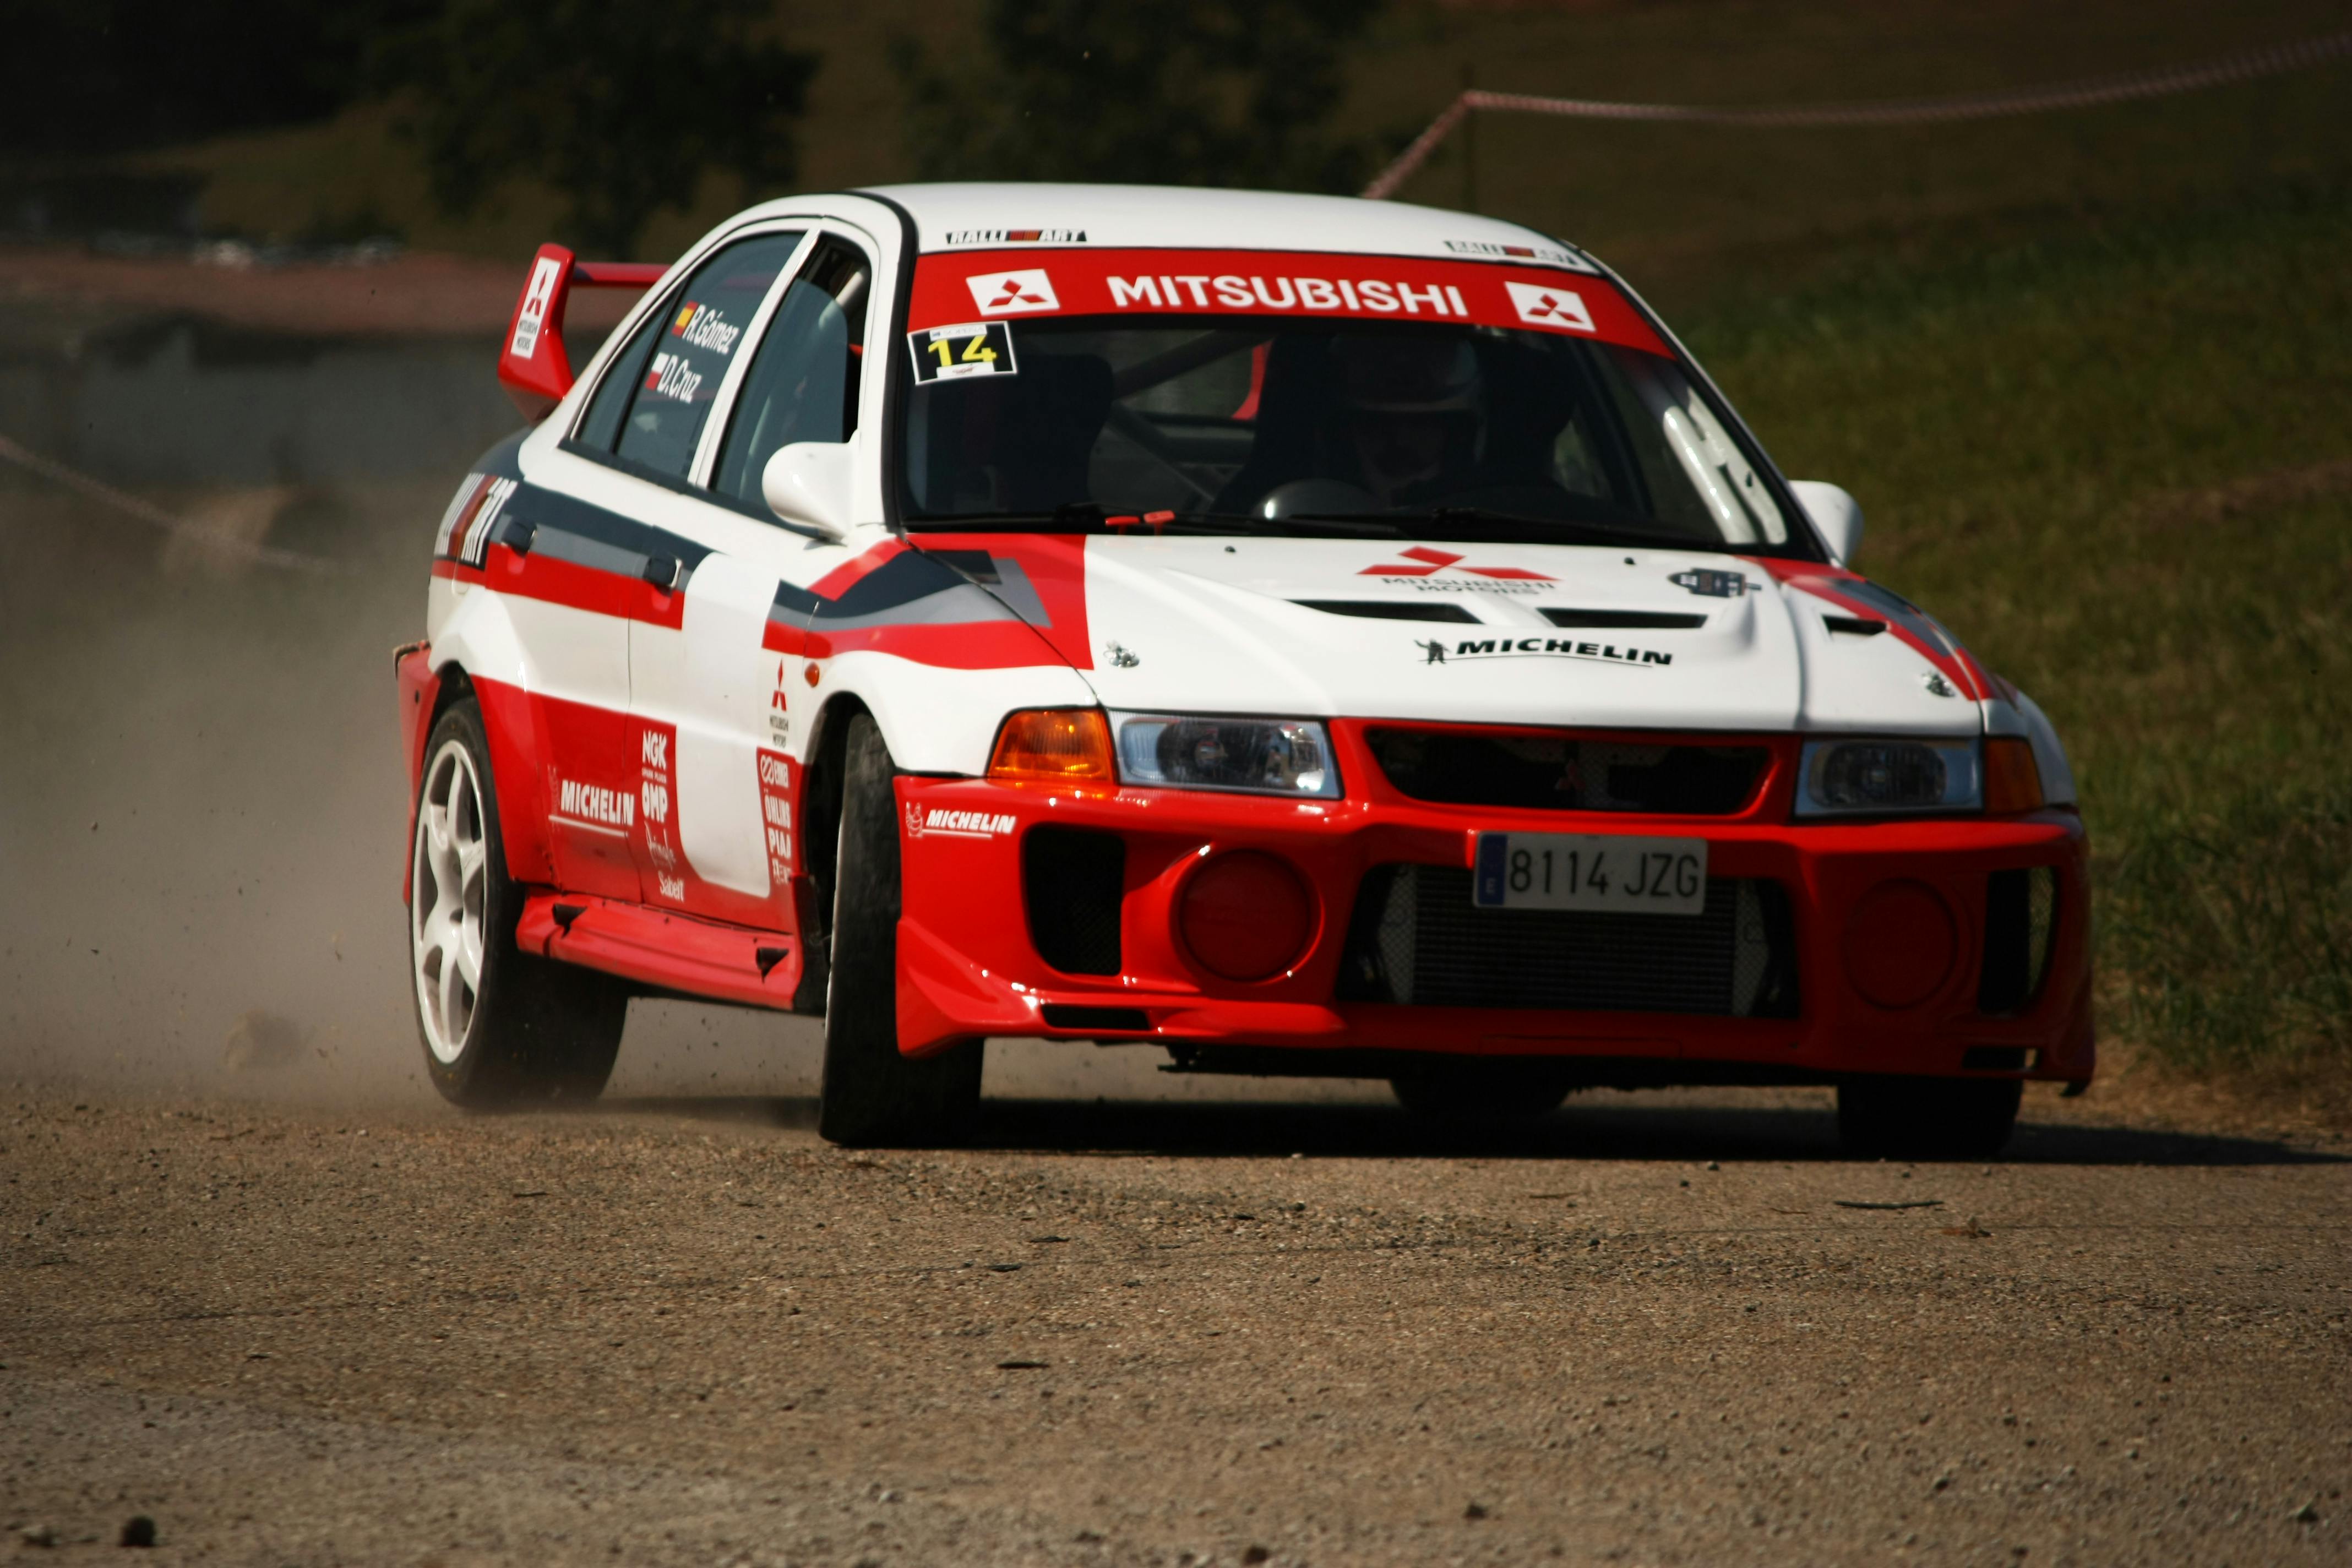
[533, 367]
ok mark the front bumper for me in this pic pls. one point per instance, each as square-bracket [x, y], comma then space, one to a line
[968, 966]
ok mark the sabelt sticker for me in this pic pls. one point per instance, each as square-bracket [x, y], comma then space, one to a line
[1508, 292]
[1011, 293]
[535, 300]
[1547, 305]
[973, 348]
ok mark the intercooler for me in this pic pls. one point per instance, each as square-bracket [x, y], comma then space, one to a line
[1416, 940]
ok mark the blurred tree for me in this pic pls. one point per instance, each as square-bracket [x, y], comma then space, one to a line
[82, 76]
[620, 105]
[1208, 92]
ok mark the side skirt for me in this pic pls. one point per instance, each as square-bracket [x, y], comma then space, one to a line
[669, 952]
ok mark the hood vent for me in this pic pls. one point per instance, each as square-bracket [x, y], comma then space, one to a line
[1853, 626]
[1623, 620]
[1390, 610]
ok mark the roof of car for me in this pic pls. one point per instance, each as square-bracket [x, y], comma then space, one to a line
[977, 216]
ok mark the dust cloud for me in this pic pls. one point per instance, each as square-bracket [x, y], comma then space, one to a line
[201, 805]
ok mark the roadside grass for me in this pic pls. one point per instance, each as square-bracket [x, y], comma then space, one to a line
[2119, 466]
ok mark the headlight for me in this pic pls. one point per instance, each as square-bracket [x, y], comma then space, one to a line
[1859, 776]
[1264, 756]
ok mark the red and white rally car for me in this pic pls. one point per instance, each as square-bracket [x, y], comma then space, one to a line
[1311, 635]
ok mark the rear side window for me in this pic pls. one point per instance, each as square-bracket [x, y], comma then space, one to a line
[802, 384]
[653, 401]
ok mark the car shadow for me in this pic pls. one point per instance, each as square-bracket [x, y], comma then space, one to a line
[1598, 1126]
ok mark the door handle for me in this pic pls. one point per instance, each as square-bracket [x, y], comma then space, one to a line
[661, 571]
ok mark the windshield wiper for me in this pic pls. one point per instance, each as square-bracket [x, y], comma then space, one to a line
[1517, 527]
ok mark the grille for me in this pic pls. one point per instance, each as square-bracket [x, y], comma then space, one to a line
[1070, 884]
[2021, 928]
[1561, 773]
[1417, 940]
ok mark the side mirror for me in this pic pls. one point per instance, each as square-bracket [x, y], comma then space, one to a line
[1837, 514]
[808, 483]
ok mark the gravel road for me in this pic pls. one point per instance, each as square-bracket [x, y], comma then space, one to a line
[1657, 1329]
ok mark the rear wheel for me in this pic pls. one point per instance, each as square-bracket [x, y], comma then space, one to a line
[872, 1094]
[1928, 1118]
[501, 1027]
[1477, 1091]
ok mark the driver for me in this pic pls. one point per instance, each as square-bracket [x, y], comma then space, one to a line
[1411, 410]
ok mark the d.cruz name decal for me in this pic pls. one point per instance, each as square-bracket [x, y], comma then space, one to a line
[1436, 652]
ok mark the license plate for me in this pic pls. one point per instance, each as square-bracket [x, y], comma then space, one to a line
[1590, 871]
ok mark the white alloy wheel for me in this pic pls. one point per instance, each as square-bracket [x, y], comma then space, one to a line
[449, 887]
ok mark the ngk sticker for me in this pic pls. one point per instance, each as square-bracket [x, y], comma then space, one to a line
[1541, 305]
[1008, 293]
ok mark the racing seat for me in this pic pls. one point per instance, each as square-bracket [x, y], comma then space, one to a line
[1016, 443]
[1295, 411]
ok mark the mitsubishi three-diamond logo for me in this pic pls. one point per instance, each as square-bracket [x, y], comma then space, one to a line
[1542, 305]
[1009, 294]
[1421, 561]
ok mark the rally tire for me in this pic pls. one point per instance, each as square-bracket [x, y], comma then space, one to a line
[871, 1094]
[1483, 1093]
[1926, 1118]
[501, 1028]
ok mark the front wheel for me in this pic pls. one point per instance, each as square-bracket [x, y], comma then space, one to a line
[501, 1027]
[871, 1093]
[1928, 1118]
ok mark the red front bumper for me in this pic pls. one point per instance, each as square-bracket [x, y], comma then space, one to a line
[968, 966]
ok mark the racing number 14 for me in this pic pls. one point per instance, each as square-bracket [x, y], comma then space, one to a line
[975, 348]
[1589, 871]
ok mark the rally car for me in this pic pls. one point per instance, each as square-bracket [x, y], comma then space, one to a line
[1309, 635]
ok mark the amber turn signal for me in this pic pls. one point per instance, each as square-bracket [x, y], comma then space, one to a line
[2012, 781]
[1054, 745]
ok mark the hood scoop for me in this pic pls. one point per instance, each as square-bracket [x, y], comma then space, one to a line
[1623, 620]
[1395, 610]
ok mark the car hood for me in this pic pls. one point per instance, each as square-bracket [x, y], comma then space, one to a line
[1530, 633]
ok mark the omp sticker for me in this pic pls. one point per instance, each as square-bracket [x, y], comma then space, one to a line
[1543, 305]
[1009, 294]
[972, 348]
[535, 301]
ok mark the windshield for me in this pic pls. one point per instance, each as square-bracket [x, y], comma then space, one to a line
[1260, 421]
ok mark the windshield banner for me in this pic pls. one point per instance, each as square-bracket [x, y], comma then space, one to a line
[988, 285]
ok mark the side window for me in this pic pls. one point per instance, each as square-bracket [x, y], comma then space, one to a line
[654, 398]
[802, 384]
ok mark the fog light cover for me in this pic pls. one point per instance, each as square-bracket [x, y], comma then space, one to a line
[1260, 756]
[1888, 775]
